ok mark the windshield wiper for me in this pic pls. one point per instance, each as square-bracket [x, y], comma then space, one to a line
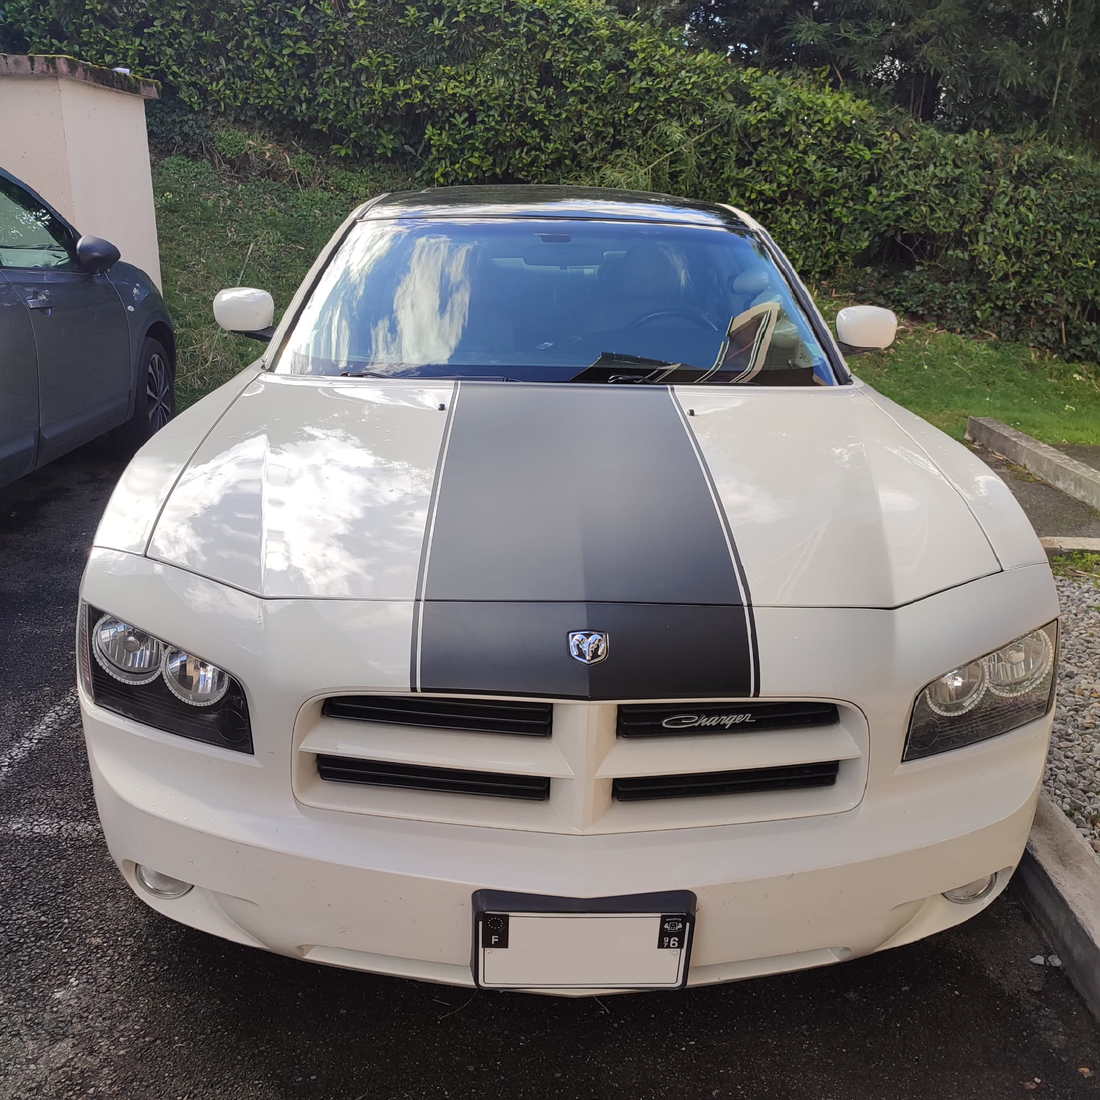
[457, 376]
[607, 368]
[652, 378]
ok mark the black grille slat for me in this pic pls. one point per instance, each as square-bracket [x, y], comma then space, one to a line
[786, 778]
[416, 777]
[465, 715]
[645, 719]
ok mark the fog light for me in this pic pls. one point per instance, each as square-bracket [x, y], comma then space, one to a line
[160, 885]
[972, 891]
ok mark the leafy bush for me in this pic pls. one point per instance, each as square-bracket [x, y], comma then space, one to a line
[231, 143]
[981, 231]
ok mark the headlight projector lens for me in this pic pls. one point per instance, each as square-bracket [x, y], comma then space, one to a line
[127, 654]
[959, 691]
[1018, 667]
[195, 681]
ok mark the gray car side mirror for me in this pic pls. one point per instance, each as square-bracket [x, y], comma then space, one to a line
[94, 254]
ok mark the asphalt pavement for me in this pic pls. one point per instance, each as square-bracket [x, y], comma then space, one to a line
[100, 996]
[1051, 511]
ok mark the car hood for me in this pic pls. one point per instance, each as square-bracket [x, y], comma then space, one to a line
[498, 492]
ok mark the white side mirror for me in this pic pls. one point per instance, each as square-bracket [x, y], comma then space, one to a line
[866, 328]
[244, 309]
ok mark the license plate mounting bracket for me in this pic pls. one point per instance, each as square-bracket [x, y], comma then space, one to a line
[493, 911]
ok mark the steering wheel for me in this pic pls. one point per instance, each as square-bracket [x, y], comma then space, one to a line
[695, 316]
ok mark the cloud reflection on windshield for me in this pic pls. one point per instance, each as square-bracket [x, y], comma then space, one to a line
[430, 306]
[324, 332]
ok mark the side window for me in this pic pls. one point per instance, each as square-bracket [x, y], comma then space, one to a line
[31, 236]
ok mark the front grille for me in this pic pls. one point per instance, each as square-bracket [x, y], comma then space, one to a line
[648, 719]
[417, 757]
[789, 778]
[469, 715]
[415, 777]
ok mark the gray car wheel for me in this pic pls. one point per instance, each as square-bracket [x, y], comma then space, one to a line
[159, 389]
[155, 400]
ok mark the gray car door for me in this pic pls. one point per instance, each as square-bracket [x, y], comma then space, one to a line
[18, 387]
[79, 324]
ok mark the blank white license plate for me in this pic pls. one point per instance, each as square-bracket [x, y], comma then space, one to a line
[550, 949]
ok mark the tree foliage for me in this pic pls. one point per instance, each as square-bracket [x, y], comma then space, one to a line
[977, 230]
[964, 64]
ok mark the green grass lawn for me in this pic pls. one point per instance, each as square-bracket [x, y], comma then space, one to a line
[216, 231]
[945, 378]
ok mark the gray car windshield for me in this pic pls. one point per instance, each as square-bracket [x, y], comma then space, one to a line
[553, 300]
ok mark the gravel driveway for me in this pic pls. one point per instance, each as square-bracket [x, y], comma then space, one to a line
[1073, 768]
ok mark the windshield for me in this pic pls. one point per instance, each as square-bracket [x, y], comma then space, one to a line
[554, 300]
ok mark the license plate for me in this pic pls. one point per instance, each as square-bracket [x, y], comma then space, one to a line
[529, 941]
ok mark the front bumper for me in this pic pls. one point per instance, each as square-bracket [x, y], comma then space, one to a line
[383, 887]
[394, 896]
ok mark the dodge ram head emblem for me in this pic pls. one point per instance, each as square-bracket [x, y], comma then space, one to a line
[588, 646]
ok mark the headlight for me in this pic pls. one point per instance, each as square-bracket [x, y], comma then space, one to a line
[1020, 667]
[125, 653]
[144, 678]
[961, 690]
[195, 681]
[992, 695]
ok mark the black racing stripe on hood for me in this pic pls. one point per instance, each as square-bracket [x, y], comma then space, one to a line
[735, 555]
[654, 651]
[575, 493]
[566, 508]
[421, 575]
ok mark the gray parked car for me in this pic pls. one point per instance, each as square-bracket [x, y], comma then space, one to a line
[86, 344]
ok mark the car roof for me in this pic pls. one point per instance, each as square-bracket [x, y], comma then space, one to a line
[542, 201]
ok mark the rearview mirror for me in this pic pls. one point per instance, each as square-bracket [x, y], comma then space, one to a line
[94, 254]
[865, 328]
[246, 311]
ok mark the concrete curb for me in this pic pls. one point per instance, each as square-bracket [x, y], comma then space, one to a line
[1059, 880]
[1065, 544]
[1072, 477]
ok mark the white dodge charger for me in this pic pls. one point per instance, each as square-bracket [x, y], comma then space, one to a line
[549, 608]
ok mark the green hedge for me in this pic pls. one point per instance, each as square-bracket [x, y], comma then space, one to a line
[978, 231]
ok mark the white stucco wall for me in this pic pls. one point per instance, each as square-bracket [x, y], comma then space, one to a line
[83, 147]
